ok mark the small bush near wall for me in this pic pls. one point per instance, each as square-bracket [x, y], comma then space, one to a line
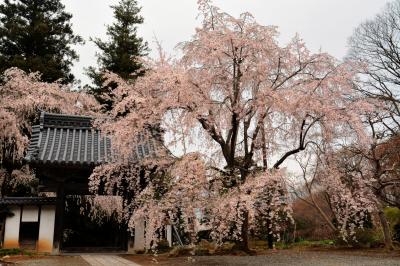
[13, 251]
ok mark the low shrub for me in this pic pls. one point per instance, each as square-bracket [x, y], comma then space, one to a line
[181, 251]
[225, 248]
[393, 217]
[201, 251]
[203, 245]
[364, 238]
[163, 246]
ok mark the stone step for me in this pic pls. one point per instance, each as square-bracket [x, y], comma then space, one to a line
[106, 260]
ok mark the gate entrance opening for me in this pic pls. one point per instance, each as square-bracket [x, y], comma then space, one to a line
[81, 233]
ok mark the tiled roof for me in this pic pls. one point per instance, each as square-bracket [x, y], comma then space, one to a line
[69, 139]
[27, 201]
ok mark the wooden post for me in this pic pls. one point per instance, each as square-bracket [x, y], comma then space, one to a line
[169, 234]
[139, 242]
[58, 225]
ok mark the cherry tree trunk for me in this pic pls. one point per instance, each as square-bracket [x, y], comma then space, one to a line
[386, 229]
[270, 240]
[323, 214]
[244, 243]
[270, 237]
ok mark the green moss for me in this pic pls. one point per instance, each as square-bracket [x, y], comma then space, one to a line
[12, 251]
[306, 244]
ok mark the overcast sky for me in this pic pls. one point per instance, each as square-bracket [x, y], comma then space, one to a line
[323, 24]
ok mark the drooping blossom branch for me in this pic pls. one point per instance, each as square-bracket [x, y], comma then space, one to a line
[239, 100]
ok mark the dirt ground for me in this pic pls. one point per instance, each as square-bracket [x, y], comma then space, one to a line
[279, 257]
[48, 261]
[282, 257]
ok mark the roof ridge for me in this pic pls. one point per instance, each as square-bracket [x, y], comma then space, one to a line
[66, 115]
[65, 121]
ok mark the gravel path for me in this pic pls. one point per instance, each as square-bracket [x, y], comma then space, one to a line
[279, 258]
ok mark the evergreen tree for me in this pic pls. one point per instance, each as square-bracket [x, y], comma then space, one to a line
[120, 52]
[36, 35]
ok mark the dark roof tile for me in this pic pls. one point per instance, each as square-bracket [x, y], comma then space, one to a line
[70, 139]
[27, 201]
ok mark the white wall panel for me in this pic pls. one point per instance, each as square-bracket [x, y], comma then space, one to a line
[46, 229]
[11, 230]
[30, 214]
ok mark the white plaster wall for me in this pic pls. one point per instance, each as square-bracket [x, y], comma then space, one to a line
[11, 230]
[30, 214]
[46, 229]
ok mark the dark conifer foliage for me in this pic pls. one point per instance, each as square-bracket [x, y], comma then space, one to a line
[36, 35]
[119, 54]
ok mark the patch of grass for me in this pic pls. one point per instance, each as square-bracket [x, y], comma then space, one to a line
[306, 244]
[14, 251]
